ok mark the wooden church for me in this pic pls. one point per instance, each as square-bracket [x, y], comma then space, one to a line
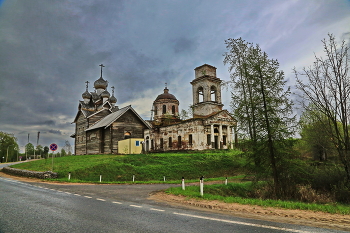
[100, 124]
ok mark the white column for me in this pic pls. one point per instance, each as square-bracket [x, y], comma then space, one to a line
[228, 140]
[212, 139]
[220, 136]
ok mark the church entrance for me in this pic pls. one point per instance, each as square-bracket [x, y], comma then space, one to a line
[216, 143]
[147, 143]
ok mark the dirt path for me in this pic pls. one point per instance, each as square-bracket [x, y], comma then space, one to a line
[302, 217]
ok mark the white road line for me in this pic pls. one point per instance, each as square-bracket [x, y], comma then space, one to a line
[116, 202]
[87, 197]
[137, 206]
[67, 192]
[242, 223]
[75, 194]
[99, 199]
[157, 210]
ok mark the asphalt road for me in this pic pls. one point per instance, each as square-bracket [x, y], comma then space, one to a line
[42, 207]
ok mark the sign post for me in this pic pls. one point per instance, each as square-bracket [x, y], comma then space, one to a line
[53, 148]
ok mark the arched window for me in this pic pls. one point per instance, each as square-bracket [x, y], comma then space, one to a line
[179, 143]
[170, 142]
[127, 135]
[164, 109]
[173, 109]
[155, 111]
[200, 94]
[190, 139]
[213, 93]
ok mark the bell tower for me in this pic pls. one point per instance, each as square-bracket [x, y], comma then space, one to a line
[206, 89]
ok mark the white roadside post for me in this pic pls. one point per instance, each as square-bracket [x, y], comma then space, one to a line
[201, 186]
[69, 176]
[100, 178]
[133, 178]
[226, 181]
[183, 183]
[164, 178]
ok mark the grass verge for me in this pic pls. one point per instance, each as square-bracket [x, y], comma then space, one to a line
[215, 192]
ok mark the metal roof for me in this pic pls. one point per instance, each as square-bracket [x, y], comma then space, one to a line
[109, 119]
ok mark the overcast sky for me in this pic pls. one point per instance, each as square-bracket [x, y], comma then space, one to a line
[49, 49]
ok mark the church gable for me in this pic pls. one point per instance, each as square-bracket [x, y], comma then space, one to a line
[222, 116]
[98, 116]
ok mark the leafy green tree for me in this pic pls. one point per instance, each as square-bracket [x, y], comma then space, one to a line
[8, 147]
[315, 135]
[29, 149]
[46, 151]
[263, 108]
[39, 150]
[326, 85]
[63, 152]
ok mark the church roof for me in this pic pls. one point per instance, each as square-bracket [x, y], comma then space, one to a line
[166, 95]
[109, 119]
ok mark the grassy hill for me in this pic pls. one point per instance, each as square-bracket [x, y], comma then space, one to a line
[150, 167]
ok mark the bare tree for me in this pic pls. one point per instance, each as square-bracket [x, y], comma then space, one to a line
[327, 89]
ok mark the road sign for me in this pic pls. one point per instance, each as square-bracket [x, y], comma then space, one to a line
[53, 147]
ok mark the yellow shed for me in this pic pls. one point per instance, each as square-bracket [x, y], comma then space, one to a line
[130, 146]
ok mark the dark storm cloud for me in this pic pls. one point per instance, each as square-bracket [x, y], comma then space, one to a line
[184, 45]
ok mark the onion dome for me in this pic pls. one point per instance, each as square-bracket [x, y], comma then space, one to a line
[105, 94]
[95, 96]
[86, 95]
[113, 100]
[166, 95]
[100, 83]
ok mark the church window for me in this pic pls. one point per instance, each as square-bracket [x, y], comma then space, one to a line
[190, 139]
[170, 142]
[208, 139]
[164, 109]
[224, 140]
[173, 109]
[161, 143]
[179, 142]
[137, 143]
[152, 144]
[155, 110]
[200, 95]
[213, 93]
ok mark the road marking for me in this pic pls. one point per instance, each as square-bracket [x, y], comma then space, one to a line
[242, 223]
[87, 197]
[75, 194]
[137, 206]
[99, 199]
[67, 192]
[157, 210]
[115, 202]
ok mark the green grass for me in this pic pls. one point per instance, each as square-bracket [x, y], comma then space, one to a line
[150, 168]
[233, 192]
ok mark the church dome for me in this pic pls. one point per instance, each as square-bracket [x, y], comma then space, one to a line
[105, 94]
[100, 83]
[95, 96]
[113, 100]
[166, 95]
[86, 95]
